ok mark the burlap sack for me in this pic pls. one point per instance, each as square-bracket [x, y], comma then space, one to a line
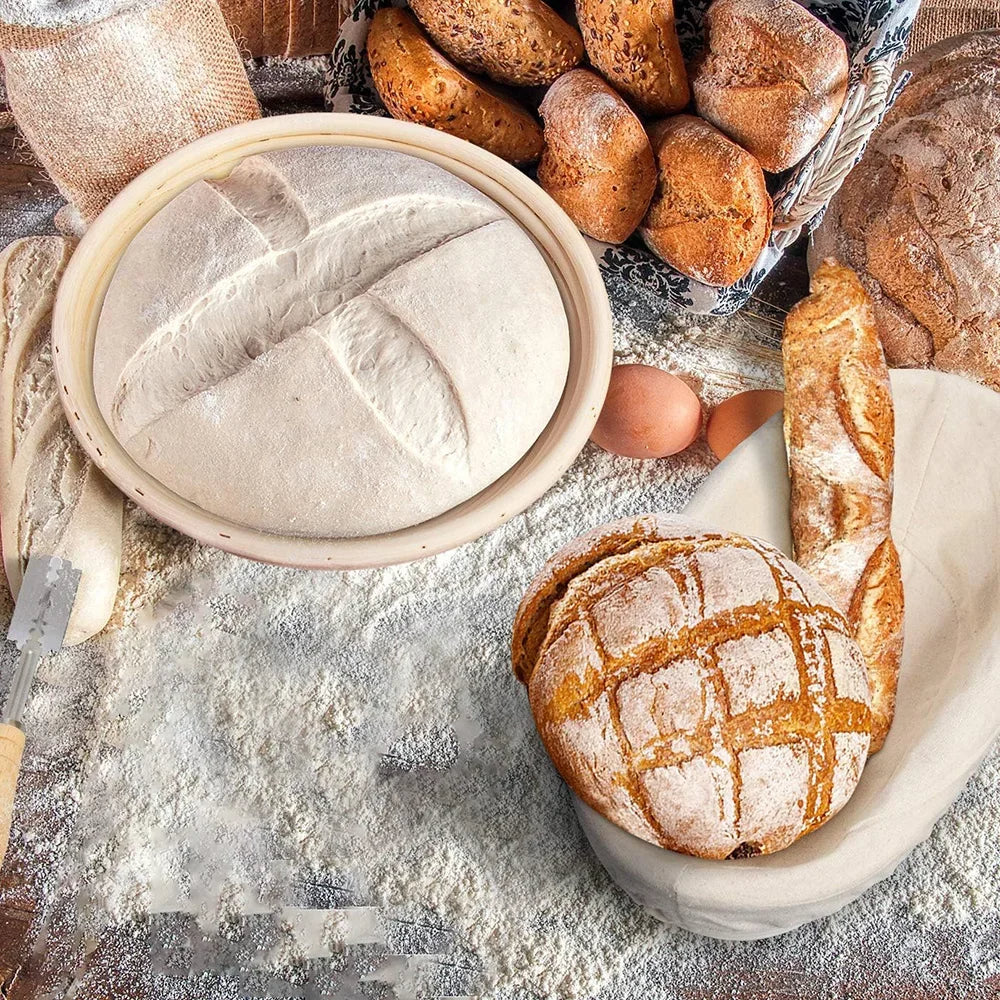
[939, 19]
[100, 102]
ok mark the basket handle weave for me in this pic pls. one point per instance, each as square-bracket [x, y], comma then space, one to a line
[867, 101]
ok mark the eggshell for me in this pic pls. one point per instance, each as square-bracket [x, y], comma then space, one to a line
[736, 418]
[648, 413]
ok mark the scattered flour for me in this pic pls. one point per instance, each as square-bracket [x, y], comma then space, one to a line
[330, 784]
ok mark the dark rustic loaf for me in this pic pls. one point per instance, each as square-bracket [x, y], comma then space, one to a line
[919, 217]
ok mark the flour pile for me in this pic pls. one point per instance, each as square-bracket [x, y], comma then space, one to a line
[329, 785]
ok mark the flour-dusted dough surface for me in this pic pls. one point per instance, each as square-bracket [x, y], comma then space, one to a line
[332, 341]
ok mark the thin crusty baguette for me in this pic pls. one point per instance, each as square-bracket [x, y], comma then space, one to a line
[839, 432]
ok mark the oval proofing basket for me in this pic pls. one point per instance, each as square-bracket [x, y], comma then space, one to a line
[81, 295]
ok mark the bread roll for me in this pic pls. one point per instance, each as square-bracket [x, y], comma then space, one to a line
[418, 84]
[919, 217]
[597, 161]
[519, 42]
[633, 43]
[839, 431]
[773, 77]
[711, 214]
[52, 499]
[695, 687]
[332, 341]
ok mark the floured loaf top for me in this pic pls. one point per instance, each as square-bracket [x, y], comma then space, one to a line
[695, 687]
[331, 341]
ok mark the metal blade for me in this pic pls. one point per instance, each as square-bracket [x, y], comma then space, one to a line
[44, 603]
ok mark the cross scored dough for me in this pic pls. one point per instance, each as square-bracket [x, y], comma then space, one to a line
[820, 714]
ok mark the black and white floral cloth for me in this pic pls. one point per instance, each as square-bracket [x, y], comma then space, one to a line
[875, 31]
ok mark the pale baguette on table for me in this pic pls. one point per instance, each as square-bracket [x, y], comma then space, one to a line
[839, 429]
[52, 499]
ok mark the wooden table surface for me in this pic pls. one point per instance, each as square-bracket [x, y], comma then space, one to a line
[41, 954]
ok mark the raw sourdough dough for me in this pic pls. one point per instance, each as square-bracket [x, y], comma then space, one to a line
[331, 341]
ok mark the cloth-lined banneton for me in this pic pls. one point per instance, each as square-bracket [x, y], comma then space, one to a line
[697, 688]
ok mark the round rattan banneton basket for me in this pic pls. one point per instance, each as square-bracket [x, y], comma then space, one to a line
[81, 295]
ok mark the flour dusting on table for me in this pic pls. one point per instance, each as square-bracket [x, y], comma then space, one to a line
[276, 782]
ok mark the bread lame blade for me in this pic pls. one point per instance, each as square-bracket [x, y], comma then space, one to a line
[37, 628]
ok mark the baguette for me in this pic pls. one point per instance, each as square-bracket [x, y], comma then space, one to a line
[839, 430]
[633, 44]
[597, 162]
[418, 84]
[519, 42]
[53, 501]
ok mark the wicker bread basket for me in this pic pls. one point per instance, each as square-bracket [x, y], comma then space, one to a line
[876, 33]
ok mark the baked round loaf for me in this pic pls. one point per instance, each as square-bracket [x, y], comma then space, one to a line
[418, 84]
[597, 162]
[633, 43]
[521, 42]
[695, 687]
[772, 76]
[919, 217]
[332, 341]
[711, 214]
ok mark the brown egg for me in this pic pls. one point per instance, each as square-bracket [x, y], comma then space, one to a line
[736, 418]
[648, 413]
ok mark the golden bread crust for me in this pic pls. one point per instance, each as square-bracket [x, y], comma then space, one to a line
[839, 430]
[634, 46]
[523, 43]
[695, 687]
[711, 214]
[597, 162]
[418, 84]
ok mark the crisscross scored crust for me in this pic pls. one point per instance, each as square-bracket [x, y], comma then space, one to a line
[695, 687]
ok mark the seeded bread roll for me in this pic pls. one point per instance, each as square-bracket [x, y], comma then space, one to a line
[696, 687]
[519, 42]
[597, 162]
[711, 214]
[919, 217]
[418, 84]
[53, 501]
[773, 77]
[839, 430]
[633, 44]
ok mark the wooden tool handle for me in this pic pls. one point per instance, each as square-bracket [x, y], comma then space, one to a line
[11, 748]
